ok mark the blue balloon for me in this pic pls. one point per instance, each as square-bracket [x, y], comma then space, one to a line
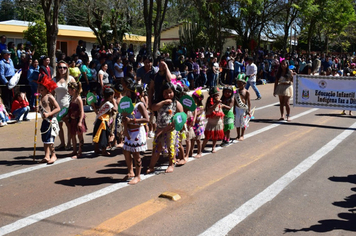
[291, 67]
[187, 83]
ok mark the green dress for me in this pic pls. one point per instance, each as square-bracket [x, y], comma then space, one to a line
[228, 119]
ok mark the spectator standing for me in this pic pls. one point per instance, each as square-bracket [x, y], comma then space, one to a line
[7, 70]
[251, 72]
[14, 58]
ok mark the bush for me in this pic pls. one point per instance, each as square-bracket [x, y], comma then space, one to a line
[36, 34]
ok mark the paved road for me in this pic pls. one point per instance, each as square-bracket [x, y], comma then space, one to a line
[295, 178]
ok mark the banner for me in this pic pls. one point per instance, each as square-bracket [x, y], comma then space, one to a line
[328, 92]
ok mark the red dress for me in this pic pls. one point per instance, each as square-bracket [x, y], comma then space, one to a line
[74, 115]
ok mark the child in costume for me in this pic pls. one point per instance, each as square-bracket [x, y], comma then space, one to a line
[214, 129]
[102, 130]
[4, 116]
[119, 138]
[136, 142]
[48, 108]
[242, 106]
[199, 123]
[165, 136]
[76, 118]
[227, 99]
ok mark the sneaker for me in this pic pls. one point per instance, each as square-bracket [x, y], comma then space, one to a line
[25, 119]
[151, 134]
[2, 124]
[259, 98]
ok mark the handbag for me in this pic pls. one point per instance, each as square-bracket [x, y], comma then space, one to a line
[54, 127]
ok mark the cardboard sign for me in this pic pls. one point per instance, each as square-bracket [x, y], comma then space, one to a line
[62, 113]
[188, 102]
[125, 105]
[179, 120]
[91, 98]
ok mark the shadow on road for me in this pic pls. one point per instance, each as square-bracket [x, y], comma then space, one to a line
[346, 221]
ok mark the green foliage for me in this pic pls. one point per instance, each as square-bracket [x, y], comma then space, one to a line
[36, 34]
[168, 47]
[7, 10]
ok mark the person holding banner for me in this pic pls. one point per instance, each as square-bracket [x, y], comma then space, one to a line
[283, 87]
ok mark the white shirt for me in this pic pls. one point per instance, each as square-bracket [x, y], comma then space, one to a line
[251, 70]
[119, 74]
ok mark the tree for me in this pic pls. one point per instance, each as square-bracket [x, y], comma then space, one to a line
[36, 34]
[7, 10]
[155, 22]
[51, 15]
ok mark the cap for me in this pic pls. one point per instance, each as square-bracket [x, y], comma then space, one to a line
[5, 51]
[213, 91]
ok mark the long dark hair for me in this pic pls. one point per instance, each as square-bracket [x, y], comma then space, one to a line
[166, 86]
[227, 100]
[279, 72]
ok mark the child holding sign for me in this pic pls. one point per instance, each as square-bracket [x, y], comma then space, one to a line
[76, 118]
[136, 140]
[165, 136]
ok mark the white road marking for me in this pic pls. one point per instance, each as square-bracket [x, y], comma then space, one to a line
[226, 224]
[102, 192]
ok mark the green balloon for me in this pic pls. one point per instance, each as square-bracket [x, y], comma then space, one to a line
[188, 102]
[91, 98]
[179, 120]
[125, 105]
[62, 113]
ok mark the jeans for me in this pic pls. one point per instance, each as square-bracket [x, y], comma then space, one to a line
[3, 117]
[254, 87]
[212, 77]
[231, 77]
[32, 101]
[21, 111]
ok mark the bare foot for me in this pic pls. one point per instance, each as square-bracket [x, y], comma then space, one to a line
[281, 118]
[52, 160]
[170, 169]
[120, 145]
[350, 113]
[75, 157]
[44, 160]
[213, 150]
[129, 176]
[135, 180]
[241, 138]
[198, 155]
[150, 170]
[181, 162]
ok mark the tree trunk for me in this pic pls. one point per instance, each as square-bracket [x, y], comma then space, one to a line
[51, 20]
[147, 14]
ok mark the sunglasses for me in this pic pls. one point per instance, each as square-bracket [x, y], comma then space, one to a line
[62, 67]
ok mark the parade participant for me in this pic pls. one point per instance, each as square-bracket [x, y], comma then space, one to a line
[251, 73]
[199, 123]
[63, 99]
[214, 129]
[48, 108]
[283, 87]
[76, 118]
[165, 134]
[118, 89]
[242, 106]
[136, 140]
[101, 131]
[227, 99]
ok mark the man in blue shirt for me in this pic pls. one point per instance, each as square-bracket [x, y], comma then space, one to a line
[7, 70]
[3, 45]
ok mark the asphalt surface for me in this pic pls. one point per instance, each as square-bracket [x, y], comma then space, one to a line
[254, 187]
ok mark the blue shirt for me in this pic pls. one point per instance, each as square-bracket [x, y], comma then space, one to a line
[7, 69]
